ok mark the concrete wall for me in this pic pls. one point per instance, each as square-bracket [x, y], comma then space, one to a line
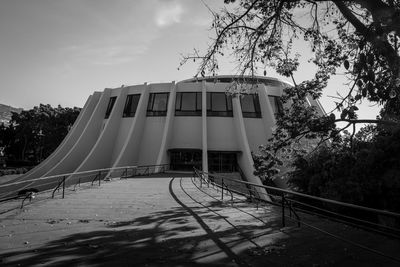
[187, 133]
[255, 132]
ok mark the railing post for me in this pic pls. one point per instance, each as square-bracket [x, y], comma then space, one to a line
[99, 178]
[63, 192]
[283, 209]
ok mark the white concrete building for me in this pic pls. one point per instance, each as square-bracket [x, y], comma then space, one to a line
[185, 124]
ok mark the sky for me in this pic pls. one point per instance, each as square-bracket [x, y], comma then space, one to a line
[59, 52]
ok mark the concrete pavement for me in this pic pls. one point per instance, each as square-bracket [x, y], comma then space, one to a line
[164, 222]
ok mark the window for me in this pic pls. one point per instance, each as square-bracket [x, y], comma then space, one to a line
[110, 106]
[219, 104]
[276, 104]
[250, 106]
[131, 105]
[188, 104]
[158, 103]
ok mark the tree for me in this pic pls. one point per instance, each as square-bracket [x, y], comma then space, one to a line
[34, 134]
[360, 37]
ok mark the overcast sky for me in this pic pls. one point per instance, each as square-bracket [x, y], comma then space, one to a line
[61, 51]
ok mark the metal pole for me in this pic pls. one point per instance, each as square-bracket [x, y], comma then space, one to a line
[63, 186]
[99, 177]
[283, 209]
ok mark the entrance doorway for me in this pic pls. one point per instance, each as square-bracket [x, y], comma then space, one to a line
[185, 159]
[222, 161]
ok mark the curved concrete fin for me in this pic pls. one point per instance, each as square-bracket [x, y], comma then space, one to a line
[128, 155]
[87, 139]
[100, 155]
[245, 160]
[315, 103]
[162, 157]
[267, 112]
[69, 140]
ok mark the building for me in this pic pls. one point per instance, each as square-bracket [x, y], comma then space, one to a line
[192, 123]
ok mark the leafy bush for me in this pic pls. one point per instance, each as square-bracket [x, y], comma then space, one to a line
[365, 173]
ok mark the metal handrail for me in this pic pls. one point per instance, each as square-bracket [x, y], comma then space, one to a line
[284, 194]
[330, 201]
[286, 200]
[66, 176]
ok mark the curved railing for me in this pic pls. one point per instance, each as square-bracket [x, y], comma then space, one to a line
[292, 204]
[363, 217]
[13, 190]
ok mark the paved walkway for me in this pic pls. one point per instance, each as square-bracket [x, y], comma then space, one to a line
[161, 222]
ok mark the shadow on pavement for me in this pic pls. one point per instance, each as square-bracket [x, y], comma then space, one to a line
[160, 239]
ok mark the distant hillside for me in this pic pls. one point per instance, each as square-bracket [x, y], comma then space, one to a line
[5, 113]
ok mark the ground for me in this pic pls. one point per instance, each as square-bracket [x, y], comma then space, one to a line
[172, 222]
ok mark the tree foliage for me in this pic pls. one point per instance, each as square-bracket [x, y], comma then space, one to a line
[34, 134]
[359, 37]
[366, 173]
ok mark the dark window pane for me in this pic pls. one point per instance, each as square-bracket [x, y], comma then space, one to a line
[131, 105]
[208, 101]
[110, 106]
[151, 101]
[218, 102]
[229, 102]
[189, 101]
[250, 106]
[158, 103]
[135, 102]
[187, 104]
[257, 104]
[178, 101]
[276, 104]
[199, 101]
[248, 103]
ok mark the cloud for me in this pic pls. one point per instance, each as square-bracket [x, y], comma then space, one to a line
[169, 13]
[117, 50]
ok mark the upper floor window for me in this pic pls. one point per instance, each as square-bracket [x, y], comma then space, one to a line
[110, 106]
[250, 106]
[131, 105]
[219, 104]
[158, 103]
[276, 104]
[188, 104]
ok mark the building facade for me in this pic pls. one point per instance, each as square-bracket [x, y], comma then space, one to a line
[192, 123]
